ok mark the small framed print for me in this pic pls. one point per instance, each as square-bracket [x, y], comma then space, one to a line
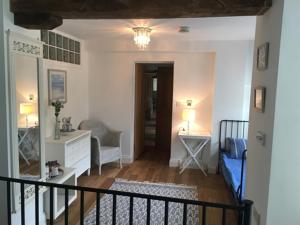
[259, 98]
[57, 85]
[263, 56]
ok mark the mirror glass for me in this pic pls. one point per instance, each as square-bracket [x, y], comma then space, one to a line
[27, 107]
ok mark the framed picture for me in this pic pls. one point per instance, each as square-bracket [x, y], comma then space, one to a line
[57, 86]
[262, 56]
[259, 98]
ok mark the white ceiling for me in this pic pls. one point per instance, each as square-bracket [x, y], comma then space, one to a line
[218, 28]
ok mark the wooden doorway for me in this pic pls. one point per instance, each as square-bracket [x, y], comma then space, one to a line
[153, 110]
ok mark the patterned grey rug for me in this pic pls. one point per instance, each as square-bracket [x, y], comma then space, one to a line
[139, 205]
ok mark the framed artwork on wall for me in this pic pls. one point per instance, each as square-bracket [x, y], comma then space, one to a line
[57, 86]
[259, 98]
[263, 56]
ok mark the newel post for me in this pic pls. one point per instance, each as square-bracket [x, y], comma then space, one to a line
[248, 212]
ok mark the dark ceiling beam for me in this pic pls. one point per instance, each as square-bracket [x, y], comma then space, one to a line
[50, 13]
[37, 20]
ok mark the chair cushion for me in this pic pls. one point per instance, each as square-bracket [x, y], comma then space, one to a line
[108, 154]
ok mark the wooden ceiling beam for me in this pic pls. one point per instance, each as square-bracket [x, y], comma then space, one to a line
[50, 13]
[37, 21]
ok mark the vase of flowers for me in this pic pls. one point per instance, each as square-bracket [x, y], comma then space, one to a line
[57, 108]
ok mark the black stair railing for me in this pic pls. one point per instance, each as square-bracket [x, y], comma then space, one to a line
[243, 210]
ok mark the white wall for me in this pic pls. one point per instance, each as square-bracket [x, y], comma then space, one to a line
[200, 68]
[272, 175]
[284, 195]
[77, 89]
[232, 79]
[268, 28]
[112, 89]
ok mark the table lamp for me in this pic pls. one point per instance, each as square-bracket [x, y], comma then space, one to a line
[188, 115]
[26, 109]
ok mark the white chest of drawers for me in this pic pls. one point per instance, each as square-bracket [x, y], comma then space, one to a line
[72, 150]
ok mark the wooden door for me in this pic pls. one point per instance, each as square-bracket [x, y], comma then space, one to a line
[139, 114]
[164, 110]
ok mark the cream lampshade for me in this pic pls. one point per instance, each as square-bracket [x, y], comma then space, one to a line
[188, 115]
[26, 109]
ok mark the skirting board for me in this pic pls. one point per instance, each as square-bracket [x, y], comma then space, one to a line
[211, 170]
[175, 162]
[126, 159]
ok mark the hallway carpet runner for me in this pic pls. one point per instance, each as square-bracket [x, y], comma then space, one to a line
[140, 205]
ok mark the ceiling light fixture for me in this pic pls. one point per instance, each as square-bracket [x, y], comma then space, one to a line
[142, 36]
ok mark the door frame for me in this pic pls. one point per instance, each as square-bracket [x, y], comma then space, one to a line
[132, 154]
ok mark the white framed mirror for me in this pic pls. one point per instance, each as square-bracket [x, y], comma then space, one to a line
[27, 129]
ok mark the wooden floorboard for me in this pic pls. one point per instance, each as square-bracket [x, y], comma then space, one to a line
[151, 168]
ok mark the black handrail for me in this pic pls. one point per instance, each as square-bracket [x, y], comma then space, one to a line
[241, 209]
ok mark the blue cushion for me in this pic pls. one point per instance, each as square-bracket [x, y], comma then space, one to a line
[236, 147]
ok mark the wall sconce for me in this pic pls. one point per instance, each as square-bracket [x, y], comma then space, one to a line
[189, 103]
[185, 103]
[31, 97]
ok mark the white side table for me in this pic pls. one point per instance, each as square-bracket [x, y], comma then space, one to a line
[200, 139]
[69, 177]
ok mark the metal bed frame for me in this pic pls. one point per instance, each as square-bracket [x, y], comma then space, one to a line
[233, 129]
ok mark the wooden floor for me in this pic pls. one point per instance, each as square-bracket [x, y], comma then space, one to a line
[151, 168]
[32, 169]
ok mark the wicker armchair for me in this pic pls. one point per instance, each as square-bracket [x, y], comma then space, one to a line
[106, 143]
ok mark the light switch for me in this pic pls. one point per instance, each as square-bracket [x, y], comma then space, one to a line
[261, 138]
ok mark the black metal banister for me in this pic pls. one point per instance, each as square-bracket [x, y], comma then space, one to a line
[247, 213]
[203, 215]
[131, 211]
[243, 209]
[184, 214]
[224, 216]
[22, 204]
[123, 193]
[51, 205]
[148, 211]
[114, 209]
[97, 208]
[66, 206]
[37, 213]
[166, 212]
[8, 199]
[82, 207]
